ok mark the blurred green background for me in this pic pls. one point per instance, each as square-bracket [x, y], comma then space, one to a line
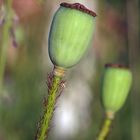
[79, 113]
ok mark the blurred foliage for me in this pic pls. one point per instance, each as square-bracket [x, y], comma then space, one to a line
[117, 4]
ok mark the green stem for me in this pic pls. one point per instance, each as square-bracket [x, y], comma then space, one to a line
[5, 40]
[105, 129]
[44, 124]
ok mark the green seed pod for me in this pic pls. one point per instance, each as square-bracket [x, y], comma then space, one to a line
[71, 31]
[117, 81]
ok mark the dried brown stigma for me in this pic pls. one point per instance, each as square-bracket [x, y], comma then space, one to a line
[79, 7]
[116, 66]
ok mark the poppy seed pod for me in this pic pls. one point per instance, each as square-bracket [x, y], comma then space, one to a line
[117, 81]
[71, 31]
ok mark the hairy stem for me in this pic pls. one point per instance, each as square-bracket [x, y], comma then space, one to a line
[44, 124]
[105, 129]
[5, 39]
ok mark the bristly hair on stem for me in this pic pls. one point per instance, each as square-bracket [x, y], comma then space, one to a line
[55, 87]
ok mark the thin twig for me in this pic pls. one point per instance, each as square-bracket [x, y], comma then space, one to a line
[5, 40]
